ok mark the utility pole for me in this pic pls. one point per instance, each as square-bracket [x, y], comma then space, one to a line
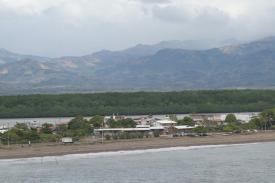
[102, 131]
[8, 135]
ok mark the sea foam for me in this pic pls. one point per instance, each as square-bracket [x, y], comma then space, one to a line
[108, 154]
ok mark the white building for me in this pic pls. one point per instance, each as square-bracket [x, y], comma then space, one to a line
[3, 129]
[166, 123]
[144, 120]
[184, 129]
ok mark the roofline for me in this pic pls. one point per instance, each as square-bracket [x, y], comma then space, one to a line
[122, 129]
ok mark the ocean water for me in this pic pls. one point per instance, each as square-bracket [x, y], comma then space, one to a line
[211, 164]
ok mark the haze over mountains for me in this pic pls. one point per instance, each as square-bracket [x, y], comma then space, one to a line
[169, 65]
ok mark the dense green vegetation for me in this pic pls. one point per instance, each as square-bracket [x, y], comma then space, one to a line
[124, 123]
[22, 134]
[231, 118]
[186, 121]
[136, 103]
[200, 130]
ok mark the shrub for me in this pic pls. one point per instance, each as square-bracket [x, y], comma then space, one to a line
[48, 137]
[200, 129]
[231, 128]
[231, 119]
[107, 137]
[156, 134]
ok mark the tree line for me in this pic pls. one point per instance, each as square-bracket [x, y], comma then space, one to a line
[63, 105]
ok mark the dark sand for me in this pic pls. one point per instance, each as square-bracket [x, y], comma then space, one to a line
[40, 150]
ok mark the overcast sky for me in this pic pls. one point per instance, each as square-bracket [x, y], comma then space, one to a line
[76, 27]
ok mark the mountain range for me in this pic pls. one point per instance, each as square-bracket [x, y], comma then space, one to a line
[166, 66]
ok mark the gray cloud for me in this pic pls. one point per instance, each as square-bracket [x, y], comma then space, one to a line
[212, 20]
[171, 14]
[155, 1]
[69, 27]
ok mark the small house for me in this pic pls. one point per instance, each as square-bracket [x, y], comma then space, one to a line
[183, 130]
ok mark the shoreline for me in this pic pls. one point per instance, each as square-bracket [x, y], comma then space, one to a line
[121, 152]
[49, 150]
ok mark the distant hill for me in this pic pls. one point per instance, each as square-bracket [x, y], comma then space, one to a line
[169, 65]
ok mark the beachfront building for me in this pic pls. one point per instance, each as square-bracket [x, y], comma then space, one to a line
[166, 123]
[208, 120]
[183, 130]
[145, 120]
[142, 126]
[209, 117]
[139, 131]
[157, 130]
[121, 132]
[117, 117]
[114, 117]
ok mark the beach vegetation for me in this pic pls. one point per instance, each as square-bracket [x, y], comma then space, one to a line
[45, 137]
[20, 133]
[200, 130]
[231, 119]
[97, 121]
[47, 128]
[232, 128]
[62, 129]
[186, 121]
[123, 123]
[77, 123]
[264, 121]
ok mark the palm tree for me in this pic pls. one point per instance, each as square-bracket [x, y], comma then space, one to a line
[267, 117]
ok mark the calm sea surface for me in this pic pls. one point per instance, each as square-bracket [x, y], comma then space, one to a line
[240, 163]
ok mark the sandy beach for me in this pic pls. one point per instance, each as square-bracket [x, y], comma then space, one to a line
[40, 150]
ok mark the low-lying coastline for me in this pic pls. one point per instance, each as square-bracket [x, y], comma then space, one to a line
[42, 150]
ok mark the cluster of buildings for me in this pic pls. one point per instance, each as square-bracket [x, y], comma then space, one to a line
[157, 123]
[164, 125]
[147, 125]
